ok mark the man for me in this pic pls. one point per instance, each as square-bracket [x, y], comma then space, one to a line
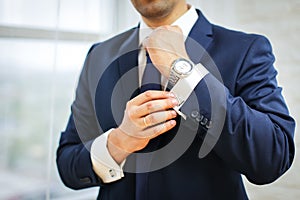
[224, 116]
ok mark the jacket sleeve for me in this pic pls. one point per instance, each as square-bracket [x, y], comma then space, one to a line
[74, 161]
[256, 138]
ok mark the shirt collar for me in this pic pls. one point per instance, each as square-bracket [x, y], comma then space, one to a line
[185, 22]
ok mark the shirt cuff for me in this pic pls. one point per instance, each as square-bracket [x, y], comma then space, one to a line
[103, 163]
[185, 86]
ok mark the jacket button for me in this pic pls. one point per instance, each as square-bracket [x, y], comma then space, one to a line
[204, 122]
[199, 118]
[209, 124]
[194, 114]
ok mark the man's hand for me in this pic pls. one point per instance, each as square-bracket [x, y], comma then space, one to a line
[146, 116]
[164, 45]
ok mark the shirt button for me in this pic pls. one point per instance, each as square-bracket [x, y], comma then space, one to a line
[112, 173]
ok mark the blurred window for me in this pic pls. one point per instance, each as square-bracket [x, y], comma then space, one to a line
[43, 45]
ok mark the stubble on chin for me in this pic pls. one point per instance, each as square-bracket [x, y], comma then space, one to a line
[154, 9]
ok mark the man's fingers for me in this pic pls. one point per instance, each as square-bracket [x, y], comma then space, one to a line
[150, 95]
[159, 129]
[155, 106]
[155, 124]
[158, 117]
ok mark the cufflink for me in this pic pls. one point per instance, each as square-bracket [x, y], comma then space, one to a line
[112, 173]
[176, 108]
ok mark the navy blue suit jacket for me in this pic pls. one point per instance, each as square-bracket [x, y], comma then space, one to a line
[256, 136]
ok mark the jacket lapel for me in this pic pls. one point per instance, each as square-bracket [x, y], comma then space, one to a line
[119, 81]
[199, 38]
[128, 64]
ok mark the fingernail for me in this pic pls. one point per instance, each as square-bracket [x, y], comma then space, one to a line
[174, 114]
[174, 102]
[173, 122]
[171, 94]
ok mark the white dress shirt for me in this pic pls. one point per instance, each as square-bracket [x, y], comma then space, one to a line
[103, 163]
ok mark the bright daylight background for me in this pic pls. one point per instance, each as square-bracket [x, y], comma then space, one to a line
[43, 44]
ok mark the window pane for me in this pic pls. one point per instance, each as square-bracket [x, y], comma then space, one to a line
[32, 13]
[37, 82]
[74, 15]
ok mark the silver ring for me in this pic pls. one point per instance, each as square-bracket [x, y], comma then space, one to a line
[145, 123]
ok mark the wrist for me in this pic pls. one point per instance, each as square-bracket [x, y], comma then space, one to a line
[115, 148]
[126, 143]
[118, 139]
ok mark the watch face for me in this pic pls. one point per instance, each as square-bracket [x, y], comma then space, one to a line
[183, 67]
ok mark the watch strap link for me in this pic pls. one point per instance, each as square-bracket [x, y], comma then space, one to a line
[185, 86]
[172, 79]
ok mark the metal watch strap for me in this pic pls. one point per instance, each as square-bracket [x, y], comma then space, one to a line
[185, 86]
[173, 79]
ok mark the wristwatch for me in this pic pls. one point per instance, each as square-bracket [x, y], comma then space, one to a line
[180, 68]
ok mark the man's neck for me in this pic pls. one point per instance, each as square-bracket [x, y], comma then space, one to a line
[177, 12]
